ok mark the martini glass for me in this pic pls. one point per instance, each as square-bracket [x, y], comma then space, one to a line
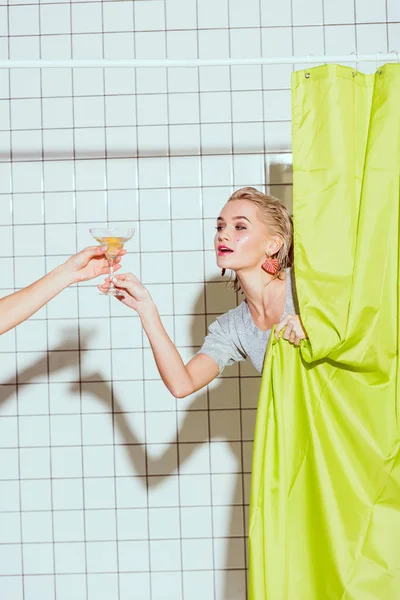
[114, 238]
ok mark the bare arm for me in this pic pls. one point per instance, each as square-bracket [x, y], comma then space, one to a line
[17, 307]
[181, 380]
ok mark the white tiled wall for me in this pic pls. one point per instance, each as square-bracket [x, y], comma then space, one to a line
[110, 489]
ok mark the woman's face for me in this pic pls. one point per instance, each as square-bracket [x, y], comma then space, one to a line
[242, 239]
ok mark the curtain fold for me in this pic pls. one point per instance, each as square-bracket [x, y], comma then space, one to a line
[325, 497]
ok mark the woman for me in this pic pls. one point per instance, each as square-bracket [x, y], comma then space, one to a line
[21, 305]
[254, 239]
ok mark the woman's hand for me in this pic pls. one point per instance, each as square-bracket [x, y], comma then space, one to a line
[90, 263]
[136, 295]
[294, 331]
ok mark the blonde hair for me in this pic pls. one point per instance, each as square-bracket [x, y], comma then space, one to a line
[277, 219]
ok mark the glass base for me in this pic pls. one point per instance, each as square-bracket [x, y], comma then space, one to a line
[113, 292]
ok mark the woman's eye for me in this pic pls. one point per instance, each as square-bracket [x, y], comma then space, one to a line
[240, 227]
[218, 227]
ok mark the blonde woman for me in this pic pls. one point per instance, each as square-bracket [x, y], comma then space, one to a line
[254, 240]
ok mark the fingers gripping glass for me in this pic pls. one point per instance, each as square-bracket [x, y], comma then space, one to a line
[114, 238]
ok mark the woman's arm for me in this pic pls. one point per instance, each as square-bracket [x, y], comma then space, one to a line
[17, 307]
[181, 380]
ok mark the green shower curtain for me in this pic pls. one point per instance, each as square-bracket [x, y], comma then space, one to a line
[325, 497]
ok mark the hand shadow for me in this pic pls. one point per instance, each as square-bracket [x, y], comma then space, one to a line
[235, 583]
[66, 353]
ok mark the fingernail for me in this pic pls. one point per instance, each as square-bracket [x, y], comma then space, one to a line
[103, 247]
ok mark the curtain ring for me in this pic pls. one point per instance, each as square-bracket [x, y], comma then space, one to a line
[378, 69]
[396, 53]
[308, 74]
[357, 63]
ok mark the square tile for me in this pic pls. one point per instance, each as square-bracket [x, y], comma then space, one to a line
[98, 461]
[10, 560]
[37, 526]
[59, 176]
[196, 522]
[88, 81]
[165, 555]
[100, 492]
[59, 207]
[27, 177]
[87, 46]
[56, 82]
[9, 496]
[197, 554]
[273, 14]
[151, 44]
[182, 44]
[307, 13]
[131, 492]
[70, 558]
[23, 20]
[102, 586]
[34, 463]
[153, 204]
[166, 581]
[100, 525]
[24, 47]
[89, 111]
[197, 585]
[58, 143]
[132, 524]
[10, 468]
[213, 43]
[67, 584]
[133, 556]
[121, 142]
[86, 17]
[66, 462]
[68, 494]
[212, 15]
[65, 430]
[55, 19]
[61, 239]
[149, 17]
[121, 110]
[57, 113]
[118, 17]
[121, 173]
[119, 45]
[38, 559]
[34, 431]
[36, 495]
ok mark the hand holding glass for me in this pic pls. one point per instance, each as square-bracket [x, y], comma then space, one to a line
[114, 238]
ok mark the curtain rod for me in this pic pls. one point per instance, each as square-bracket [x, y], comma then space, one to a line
[196, 62]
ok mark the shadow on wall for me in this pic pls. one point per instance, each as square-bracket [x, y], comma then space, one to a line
[232, 588]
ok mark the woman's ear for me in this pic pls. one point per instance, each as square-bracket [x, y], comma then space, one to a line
[275, 243]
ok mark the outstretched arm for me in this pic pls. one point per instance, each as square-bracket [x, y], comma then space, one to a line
[17, 307]
[181, 380]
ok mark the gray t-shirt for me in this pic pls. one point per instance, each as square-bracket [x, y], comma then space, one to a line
[234, 336]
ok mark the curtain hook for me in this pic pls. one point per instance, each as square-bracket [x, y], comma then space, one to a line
[396, 53]
[357, 62]
[379, 70]
[308, 74]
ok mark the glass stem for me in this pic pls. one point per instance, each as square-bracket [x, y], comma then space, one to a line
[111, 265]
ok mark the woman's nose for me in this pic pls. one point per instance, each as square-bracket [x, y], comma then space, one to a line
[223, 235]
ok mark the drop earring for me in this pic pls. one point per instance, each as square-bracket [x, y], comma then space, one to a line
[271, 265]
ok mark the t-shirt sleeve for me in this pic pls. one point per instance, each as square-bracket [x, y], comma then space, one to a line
[220, 345]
